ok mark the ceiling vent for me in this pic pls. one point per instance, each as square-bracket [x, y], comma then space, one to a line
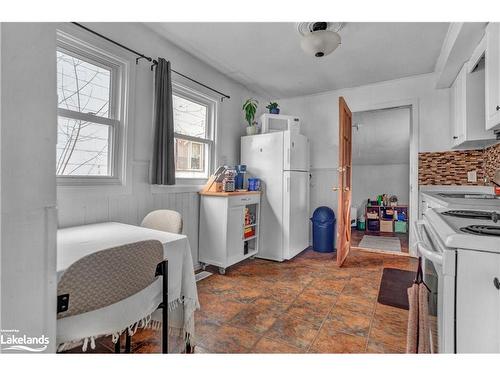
[319, 38]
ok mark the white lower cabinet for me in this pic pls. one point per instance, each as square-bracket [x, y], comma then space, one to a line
[224, 219]
[478, 302]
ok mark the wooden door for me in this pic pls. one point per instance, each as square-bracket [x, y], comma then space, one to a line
[344, 182]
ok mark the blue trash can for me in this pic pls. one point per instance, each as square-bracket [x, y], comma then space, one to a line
[323, 222]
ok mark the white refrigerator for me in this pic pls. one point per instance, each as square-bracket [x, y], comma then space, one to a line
[281, 161]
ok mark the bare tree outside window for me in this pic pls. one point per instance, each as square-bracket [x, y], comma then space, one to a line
[83, 145]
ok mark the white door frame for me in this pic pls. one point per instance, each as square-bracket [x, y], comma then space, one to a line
[413, 106]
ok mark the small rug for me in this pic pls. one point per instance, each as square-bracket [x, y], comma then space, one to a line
[380, 243]
[394, 286]
[202, 275]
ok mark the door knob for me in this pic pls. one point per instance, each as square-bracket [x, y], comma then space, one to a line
[498, 107]
[336, 188]
[496, 282]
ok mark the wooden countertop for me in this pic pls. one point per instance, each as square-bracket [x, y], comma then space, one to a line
[227, 193]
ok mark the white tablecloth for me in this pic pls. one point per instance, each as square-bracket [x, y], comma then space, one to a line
[75, 243]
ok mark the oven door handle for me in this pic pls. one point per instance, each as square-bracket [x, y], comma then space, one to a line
[433, 256]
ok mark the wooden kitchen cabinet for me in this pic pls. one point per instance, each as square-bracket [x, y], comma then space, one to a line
[222, 240]
[478, 302]
[467, 108]
[492, 57]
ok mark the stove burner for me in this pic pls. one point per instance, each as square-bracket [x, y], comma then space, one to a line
[482, 230]
[470, 214]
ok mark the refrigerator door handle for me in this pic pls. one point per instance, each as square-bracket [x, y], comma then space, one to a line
[288, 158]
[288, 184]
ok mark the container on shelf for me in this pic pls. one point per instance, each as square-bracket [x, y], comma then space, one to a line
[253, 184]
[386, 226]
[361, 223]
[373, 225]
[400, 227]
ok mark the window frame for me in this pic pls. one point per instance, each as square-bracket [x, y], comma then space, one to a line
[117, 113]
[211, 128]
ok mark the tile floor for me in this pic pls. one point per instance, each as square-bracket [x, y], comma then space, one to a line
[306, 305]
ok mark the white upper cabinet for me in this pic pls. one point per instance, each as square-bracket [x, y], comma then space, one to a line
[467, 107]
[493, 76]
[458, 108]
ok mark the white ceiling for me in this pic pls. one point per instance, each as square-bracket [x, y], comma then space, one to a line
[381, 137]
[267, 58]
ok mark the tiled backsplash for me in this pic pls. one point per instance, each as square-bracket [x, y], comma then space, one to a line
[451, 167]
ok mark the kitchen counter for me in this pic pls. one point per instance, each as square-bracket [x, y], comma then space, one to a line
[227, 193]
[450, 202]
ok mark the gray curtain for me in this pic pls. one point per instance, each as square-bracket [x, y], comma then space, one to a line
[163, 164]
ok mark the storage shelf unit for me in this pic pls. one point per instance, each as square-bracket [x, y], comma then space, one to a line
[224, 217]
[378, 217]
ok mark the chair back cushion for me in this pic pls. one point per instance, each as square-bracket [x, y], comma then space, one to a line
[109, 276]
[164, 220]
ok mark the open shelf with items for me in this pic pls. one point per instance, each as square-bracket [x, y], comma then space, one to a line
[229, 228]
[386, 218]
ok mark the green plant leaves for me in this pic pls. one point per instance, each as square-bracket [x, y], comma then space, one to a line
[250, 108]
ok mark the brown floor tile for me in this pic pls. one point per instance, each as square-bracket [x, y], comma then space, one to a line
[311, 307]
[219, 310]
[389, 326]
[229, 339]
[266, 345]
[254, 318]
[356, 304]
[349, 322]
[331, 341]
[327, 286]
[293, 331]
[388, 337]
[380, 348]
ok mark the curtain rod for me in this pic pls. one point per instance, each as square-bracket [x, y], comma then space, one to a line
[150, 59]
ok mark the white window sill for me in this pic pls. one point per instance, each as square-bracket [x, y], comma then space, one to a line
[178, 188]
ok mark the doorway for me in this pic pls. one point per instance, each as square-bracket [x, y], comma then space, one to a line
[380, 211]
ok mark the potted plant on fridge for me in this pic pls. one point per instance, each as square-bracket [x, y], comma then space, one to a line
[273, 108]
[250, 108]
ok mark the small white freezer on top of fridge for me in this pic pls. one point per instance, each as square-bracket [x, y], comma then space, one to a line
[281, 161]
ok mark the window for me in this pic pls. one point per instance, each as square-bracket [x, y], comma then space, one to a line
[194, 117]
[90, 122]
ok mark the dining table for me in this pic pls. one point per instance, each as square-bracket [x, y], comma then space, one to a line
[137, 311]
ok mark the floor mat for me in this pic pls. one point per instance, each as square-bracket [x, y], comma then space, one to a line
[380, 243]
[393, 287]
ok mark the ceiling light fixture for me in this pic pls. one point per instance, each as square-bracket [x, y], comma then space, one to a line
[319, 38]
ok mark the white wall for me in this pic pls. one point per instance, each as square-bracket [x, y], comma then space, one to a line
[380, 155]
[368, 181]
[319, 116]
[28, 222]
[82, 206]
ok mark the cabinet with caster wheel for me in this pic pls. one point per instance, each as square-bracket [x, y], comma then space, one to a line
[229, 228]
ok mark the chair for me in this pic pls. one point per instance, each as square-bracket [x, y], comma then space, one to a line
[109, 276]
[164, 220]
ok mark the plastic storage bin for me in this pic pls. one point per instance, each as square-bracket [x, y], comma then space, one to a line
[323, 222]
[400, 227]
[386, 226]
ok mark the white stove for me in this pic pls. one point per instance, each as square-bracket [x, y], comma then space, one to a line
[460, 247]
[466, 228]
